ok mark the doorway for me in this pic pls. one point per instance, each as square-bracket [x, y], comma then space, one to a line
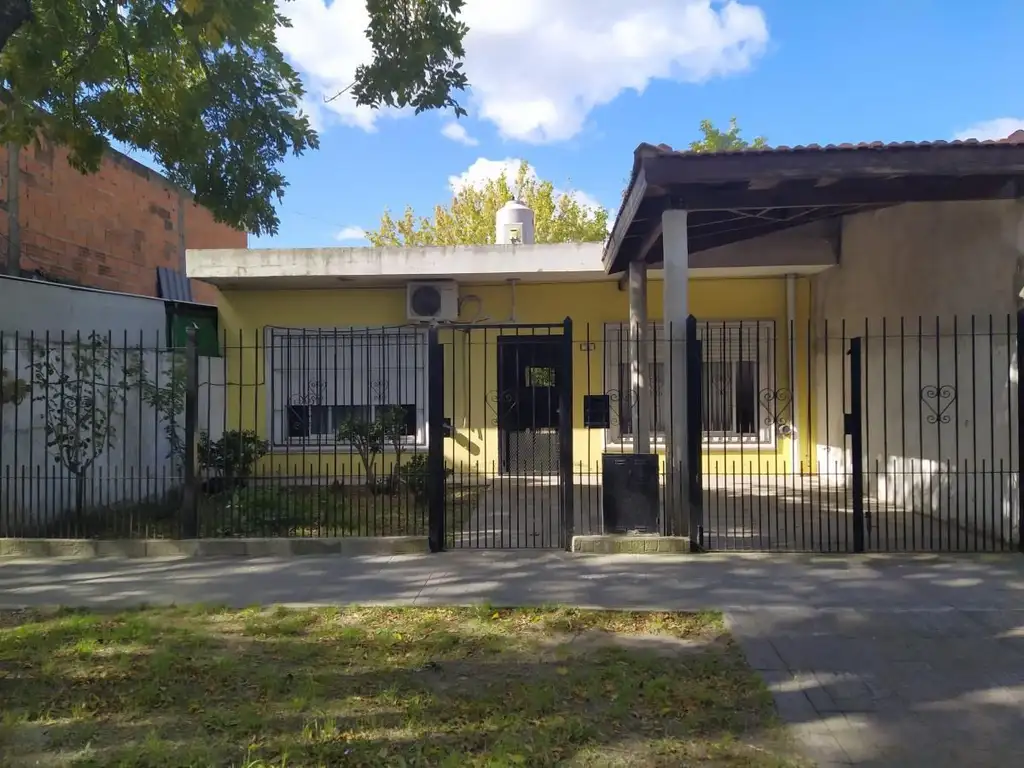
[529, 369]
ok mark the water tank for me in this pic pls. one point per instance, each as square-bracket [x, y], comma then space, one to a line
[514, 224]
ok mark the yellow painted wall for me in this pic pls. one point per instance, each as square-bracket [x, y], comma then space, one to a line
[471, 359]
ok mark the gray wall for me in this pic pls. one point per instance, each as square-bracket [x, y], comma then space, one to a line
[939, 391]
[34, 486]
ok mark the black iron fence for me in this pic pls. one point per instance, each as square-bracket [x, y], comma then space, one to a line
[835, 436]
[282, 433]
[875, 435]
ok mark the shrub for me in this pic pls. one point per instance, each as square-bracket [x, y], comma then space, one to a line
[414, 476]
[234, 456]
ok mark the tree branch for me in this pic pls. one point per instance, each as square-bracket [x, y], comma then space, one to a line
[14, 14]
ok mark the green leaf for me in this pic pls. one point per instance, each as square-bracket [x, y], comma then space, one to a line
[714, 140]
[203, 87]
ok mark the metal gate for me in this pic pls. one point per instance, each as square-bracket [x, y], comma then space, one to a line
[881, 435]
[500, 436]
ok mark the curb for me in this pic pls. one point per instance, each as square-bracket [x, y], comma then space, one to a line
[619, 544]
[142, 548]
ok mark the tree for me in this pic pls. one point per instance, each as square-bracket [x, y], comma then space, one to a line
[369, 440]
[469, 218]
[714, 140]
[81, 387]
[202, 86]
[165, 394]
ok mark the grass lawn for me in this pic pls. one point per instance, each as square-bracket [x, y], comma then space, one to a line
[209, 687]
[281, 510]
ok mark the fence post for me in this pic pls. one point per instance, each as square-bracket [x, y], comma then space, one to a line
[854, 427]
[435, 441]
[565, 436]
[695, 435]
[190, 490]
[1020, 431]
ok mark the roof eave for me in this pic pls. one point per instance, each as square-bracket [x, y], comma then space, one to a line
[635, 194]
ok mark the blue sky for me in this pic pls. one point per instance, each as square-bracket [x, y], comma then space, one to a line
[572, 86]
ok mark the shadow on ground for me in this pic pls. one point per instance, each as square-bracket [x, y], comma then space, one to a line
[881, 660]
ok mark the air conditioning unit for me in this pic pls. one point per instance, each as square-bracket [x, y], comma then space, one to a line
[432, 301]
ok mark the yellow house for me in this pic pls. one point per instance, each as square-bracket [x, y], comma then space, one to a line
[849, 387]
[308, 354]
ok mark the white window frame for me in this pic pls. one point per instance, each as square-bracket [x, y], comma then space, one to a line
[395, 357]
[759, 333]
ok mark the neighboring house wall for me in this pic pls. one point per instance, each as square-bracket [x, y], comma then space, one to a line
[940, 402]
[110, 229]
[34, 487]
[265, 381]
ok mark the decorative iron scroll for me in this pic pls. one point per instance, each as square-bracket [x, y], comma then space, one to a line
[314, 394]
[937, 399]
[501, 404]
[616, 398]
[778, 403]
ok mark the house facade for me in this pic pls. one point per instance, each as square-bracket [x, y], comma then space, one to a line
[904, 301]
[295, 335]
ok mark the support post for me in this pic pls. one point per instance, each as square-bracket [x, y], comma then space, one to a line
[639, 369]
[1020, 430]
[794, 406]
[694, 415]
[855, 429]
[565, 455]
[435, 442]
[676, 286]
[190, 487]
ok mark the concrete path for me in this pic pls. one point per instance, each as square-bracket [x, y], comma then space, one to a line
[876, 661]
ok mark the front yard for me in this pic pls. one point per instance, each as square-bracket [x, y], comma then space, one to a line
[270, 508]
[209, 687]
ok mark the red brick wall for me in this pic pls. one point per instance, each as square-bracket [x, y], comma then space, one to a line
[110, 229]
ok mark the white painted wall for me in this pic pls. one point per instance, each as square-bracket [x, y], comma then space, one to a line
[934, 267]
[35, 487]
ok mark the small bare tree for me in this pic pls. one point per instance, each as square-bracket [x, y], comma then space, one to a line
[80, 385]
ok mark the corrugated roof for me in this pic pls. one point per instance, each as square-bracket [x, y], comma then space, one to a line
[172, 285]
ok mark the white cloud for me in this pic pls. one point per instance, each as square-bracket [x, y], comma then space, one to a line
[483, 170]
[457, 132]
[351, 233]
[327, 44]
[538, 68]
[999, 128]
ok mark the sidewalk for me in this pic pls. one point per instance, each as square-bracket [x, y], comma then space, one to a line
[726, 582]
[875, 660]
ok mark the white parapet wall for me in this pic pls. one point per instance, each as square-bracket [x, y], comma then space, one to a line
[43, 324]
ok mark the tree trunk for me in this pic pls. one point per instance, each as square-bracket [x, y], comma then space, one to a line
[13, 15]
[80, 503]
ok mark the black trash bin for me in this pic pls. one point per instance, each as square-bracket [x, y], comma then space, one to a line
[629, 492]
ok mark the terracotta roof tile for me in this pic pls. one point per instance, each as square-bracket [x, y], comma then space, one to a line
[651, 150]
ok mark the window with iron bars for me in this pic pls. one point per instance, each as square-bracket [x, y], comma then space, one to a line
[738, 369]
[325, 377]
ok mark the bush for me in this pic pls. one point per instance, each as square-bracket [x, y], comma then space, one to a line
[414, 476]
[234, 456]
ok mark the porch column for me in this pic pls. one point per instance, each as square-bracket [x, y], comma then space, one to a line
[676, 285]
[640, 387]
